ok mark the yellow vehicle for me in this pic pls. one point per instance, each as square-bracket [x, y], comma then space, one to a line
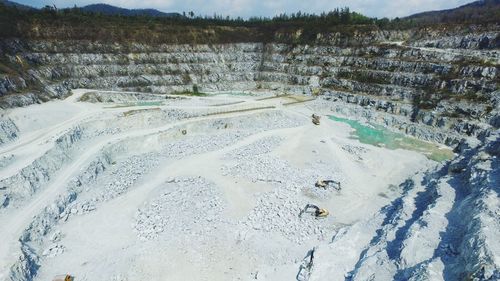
[317, 211]
[322, 213]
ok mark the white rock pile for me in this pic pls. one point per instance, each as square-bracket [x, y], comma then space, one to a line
[53, 250]
[278, 210]
[188, 206]
[356, 151]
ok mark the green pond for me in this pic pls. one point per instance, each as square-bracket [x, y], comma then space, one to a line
[380, 136]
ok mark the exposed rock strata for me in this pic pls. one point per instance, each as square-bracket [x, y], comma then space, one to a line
[441, 80]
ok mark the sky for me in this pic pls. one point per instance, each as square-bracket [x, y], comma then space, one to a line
[268, 8]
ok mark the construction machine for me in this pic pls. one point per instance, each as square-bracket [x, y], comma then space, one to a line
[317, 211]
[328, 183]
[315, 119]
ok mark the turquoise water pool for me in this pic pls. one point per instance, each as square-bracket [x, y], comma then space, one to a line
[379, 136]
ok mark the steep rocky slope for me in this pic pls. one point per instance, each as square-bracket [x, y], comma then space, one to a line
[445, 80]
[444, 227]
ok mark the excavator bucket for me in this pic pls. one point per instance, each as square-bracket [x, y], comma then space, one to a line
[321, 184]
[318, 212]
[323, 213]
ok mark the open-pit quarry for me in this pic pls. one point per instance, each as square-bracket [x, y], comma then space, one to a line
[196, 161]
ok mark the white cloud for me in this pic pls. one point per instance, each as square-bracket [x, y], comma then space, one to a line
[246, 8]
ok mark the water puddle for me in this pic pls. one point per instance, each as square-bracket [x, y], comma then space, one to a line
[379, 136]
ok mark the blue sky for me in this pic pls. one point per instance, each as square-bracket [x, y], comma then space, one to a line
[246, 8]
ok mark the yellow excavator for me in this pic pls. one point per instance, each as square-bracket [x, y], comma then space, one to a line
[328, 183]
[317, 211]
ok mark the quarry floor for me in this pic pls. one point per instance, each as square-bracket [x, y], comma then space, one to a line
[211, 192]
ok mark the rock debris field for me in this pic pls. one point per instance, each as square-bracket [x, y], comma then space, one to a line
[145, 187]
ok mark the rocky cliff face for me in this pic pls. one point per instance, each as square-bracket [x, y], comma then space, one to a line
[445, 221]
[8, 130]
[446, 80]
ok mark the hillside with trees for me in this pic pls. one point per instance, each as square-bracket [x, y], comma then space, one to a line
[109, 23]
[484, 11]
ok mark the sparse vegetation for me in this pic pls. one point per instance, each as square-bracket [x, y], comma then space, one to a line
[363, 77]
[486, 11]
[186, 78]
[467, 61]
[189, 93]
[430, 97]
[85, 97]
[194, 92]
